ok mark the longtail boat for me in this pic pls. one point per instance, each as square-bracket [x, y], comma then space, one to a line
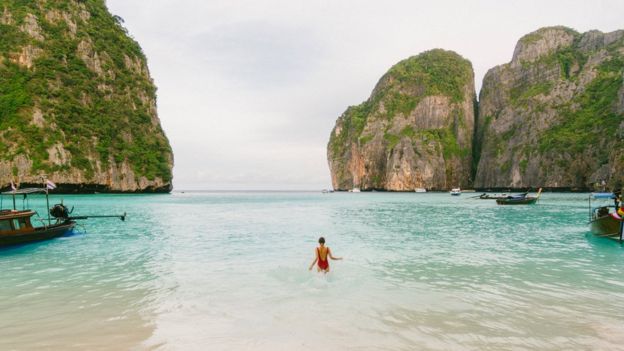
[16, 226]
[522, 199]
[605, 221]
[486, 196]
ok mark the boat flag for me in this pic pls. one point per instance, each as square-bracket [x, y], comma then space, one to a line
[50, 185]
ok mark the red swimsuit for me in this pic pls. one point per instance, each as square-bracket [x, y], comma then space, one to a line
[323, 264]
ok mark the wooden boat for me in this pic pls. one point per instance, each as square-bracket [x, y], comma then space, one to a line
[522, 199]
[607, 226]
[16, 226]
[604, 221]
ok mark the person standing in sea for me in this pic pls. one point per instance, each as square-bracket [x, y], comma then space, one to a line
[321, 254]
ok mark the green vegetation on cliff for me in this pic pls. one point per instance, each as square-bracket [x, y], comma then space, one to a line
[590, 116]
[553, 116]
[434, 72]
[539, 34]
[75, 65]
[520, 94]
[438, 71]
[384, 134]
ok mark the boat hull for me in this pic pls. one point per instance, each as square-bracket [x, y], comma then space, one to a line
[606, 226]
[39, 234]
[525, 201]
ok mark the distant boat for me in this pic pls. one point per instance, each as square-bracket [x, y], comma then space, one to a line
[455, 191]
[420, 190]
[355, 190]
[522, 199]
[602, 221]
[326, 191]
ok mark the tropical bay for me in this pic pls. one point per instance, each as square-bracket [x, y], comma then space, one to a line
[228, 269]
[296, 175]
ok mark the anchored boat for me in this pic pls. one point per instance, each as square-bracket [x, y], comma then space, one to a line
[17, 227]
[486, 196]
[522, 199]
[606, 220]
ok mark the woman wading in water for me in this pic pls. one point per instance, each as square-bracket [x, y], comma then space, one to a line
[322, 252]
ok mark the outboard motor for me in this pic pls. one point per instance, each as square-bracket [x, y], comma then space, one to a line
[59, 211]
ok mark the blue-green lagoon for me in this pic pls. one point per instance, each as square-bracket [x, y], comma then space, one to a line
[228, 271]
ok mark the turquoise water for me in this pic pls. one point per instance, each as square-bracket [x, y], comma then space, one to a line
[228, 271]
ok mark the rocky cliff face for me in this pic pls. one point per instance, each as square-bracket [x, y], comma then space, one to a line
[77, 104]
[554, 115]
[415, 130]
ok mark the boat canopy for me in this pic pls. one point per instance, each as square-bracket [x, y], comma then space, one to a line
[603, 195]
[25, 191]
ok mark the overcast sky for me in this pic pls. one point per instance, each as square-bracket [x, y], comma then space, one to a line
[248, 91]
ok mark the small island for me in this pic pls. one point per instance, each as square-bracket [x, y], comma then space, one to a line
[78, 105]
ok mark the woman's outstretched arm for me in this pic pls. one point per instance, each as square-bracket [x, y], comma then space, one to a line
[331, 256]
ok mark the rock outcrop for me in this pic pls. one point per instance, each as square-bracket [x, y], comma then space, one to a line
[553, 116]
[77, 103]
[415, 130]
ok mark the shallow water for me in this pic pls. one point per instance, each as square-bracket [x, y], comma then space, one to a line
[228, 271]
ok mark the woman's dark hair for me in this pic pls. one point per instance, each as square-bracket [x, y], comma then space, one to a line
[321, 240]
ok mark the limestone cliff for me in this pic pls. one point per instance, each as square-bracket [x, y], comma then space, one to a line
[77, 103]
[554, 115]
[415, 130]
